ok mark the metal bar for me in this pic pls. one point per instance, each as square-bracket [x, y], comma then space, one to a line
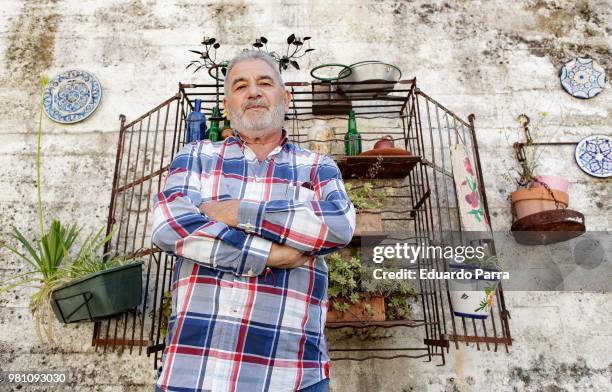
[431, 226]
[127, 169]
[108, 342]
[439, 105]
[151, 111]
[480, 339]
[440, 325]
[129, 215]
[144, 166]
[379, 357]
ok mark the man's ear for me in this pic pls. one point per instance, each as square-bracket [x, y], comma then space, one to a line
[287, 100]
[224, 103]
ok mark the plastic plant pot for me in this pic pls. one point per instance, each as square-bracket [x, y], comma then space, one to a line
[100, 294]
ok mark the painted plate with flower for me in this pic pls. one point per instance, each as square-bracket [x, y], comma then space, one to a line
[583, 77]
[594, 155]
[72, 96]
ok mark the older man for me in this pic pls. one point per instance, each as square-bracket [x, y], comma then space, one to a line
[249, 219]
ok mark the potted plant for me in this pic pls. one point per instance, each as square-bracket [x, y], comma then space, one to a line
[368, 202]
[94, 288]
[472, 287]
[353, 297]
[535, 193]
[51, 257]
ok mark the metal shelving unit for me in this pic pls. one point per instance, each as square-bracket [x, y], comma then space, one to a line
[425, 208]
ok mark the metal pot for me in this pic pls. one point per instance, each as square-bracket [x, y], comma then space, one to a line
[368, 73]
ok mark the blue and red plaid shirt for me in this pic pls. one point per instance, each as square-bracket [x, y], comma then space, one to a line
[237, 325]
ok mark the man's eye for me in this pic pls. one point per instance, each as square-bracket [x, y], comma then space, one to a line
[266, 83]
[240, 87]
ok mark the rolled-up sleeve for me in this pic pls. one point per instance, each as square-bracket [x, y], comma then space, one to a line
[314, 227]
[180, 229]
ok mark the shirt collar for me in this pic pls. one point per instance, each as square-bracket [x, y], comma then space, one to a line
[249, 154]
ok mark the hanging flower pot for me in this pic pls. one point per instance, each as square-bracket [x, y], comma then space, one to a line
[99, 294]
[473, 296]
[533, 200]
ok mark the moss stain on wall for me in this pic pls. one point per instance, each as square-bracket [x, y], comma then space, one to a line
[31, 43]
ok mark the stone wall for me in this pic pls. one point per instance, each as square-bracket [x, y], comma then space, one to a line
[494, 58]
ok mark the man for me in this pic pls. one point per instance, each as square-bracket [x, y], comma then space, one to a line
[249, 219]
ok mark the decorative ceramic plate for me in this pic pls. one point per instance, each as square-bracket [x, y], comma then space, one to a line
[72, 96]
[582, 77]
[594, 155]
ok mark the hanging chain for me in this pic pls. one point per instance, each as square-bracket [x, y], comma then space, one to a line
[519, 149]
[558, 204]
[526, 176]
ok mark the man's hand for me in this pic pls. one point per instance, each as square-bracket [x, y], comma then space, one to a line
[283, 256]
[222, 211]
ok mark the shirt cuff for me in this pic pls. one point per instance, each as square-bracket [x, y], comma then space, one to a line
[257, 251]
[250, 216]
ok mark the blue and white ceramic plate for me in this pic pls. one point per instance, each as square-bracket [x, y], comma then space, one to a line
[594, 155]
[582, 77]
[72, 96]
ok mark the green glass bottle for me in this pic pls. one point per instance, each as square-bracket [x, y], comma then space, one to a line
[352, 139]
[213, 132]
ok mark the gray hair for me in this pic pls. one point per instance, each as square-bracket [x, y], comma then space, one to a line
[252, 54]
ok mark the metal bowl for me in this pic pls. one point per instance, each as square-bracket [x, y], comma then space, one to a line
[368, 76]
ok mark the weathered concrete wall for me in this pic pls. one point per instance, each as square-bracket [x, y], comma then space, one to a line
[492, 58]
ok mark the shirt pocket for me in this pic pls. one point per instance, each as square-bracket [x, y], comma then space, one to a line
[300, 191]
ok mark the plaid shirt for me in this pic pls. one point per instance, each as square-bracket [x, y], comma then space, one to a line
[233, 326]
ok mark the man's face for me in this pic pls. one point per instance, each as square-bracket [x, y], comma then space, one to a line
[255, 100]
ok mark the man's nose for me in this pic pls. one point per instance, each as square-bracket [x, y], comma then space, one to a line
[253, 90]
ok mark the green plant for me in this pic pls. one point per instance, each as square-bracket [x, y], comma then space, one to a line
[350, 282]
[49, 256]
[527, 154]
[366, 197]
[50, 259]
[166, 310]
[398, 294]
[45, 256]
[344, 276]
[485, 262]
[87, 259]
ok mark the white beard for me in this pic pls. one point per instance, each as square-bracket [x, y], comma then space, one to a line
[259, 123]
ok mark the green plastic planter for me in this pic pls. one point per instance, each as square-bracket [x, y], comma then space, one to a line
[99, 294]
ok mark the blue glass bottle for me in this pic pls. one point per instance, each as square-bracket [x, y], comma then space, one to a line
[196, 123]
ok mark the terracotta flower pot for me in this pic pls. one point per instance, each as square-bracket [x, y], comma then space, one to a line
[533, 200]
[554, 182]
[357, 312]
[368, 222]
[384, 142]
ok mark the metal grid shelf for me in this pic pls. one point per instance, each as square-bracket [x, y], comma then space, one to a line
[390, 166]
[426, 208]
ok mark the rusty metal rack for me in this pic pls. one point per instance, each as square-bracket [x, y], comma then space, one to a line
[425, 206]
